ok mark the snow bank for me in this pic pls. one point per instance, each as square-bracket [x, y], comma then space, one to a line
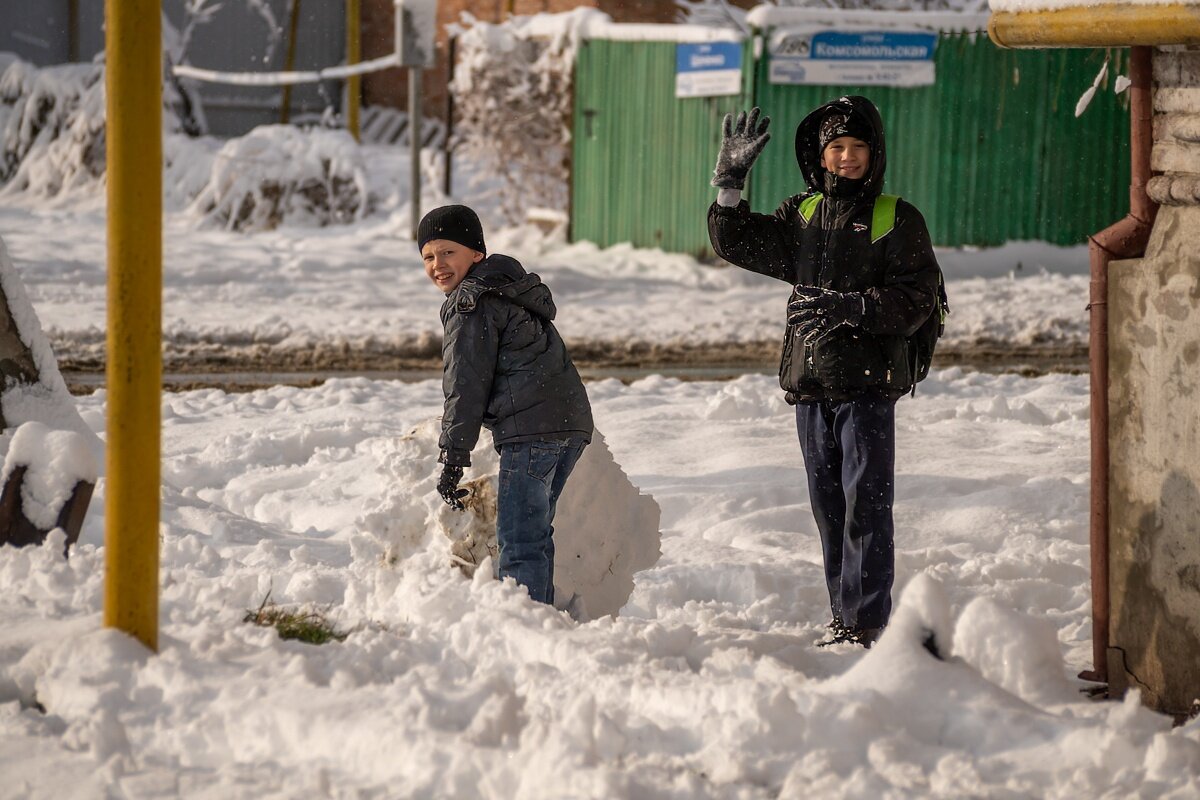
[309, 177]
[605, 531]
[708, 685]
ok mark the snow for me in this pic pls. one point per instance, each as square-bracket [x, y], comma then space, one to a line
[1086, 98]
[312, 177]
[361, 288]
[605, 531]
[706, 684]
[287, 78]
[770, 16]
[587, 23]
[46, 401]
[56, 461]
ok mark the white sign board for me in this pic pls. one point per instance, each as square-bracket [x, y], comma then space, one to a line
[711, 69]
[852, 57]
[416, 30]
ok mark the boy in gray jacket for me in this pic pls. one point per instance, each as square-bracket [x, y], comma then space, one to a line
[505, 368]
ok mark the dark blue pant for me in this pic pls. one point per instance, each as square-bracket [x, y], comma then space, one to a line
[532, 476]
[850, 455]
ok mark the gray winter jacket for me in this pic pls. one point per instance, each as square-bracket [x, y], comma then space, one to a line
[504, 366]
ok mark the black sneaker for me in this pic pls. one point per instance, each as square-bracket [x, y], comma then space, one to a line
[864, 636]
[840, 634]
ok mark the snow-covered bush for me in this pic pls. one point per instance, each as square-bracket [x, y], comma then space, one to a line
[277, 172]
[51, 127]
[512, 93]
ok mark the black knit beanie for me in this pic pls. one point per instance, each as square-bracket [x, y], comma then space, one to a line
[453, 223]
[839, 123]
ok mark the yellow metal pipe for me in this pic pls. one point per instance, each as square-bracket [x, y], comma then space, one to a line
[134, 140]
[353, 56]
[1115, 25]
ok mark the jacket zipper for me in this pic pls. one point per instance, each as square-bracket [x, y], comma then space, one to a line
[809, 368]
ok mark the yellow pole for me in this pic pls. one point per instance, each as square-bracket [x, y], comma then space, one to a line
[131, 493]
[1111, 25]
[353, 56]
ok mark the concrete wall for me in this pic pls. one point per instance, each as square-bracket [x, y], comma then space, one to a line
[1154, 406]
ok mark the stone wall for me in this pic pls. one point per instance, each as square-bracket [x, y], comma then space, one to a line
[1154, 406]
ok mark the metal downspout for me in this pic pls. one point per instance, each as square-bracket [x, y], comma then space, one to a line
[1126, 239]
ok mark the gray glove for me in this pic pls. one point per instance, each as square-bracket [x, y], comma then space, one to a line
[743, 141]
[815, 312]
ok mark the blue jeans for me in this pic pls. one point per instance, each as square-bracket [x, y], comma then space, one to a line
[532, 476]
[850, 455]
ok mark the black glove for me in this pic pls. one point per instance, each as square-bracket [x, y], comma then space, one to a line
[816, 312]
[448, 487]
[740, 147]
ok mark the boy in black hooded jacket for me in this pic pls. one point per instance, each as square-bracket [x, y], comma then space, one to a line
[505, 368]
[864, 279]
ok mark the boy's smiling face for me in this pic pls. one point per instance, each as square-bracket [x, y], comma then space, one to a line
[447, 262]
[847, 157]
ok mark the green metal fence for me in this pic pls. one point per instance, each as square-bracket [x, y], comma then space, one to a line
[991, 153]
[642, 158]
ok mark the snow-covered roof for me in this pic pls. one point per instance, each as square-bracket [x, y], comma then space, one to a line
[768, 16]
[588, 23]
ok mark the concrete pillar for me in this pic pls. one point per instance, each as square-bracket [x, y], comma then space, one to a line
[1154, 407]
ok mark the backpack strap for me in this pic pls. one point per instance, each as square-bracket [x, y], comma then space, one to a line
[883, 216]
[808, 206]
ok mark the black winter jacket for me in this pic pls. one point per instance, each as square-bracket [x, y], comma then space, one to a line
[504, 366]
[897, 275]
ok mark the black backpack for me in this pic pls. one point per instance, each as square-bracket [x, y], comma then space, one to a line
[922, 343]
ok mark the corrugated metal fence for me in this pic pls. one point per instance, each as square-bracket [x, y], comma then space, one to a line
[639, 171]
[991, 153]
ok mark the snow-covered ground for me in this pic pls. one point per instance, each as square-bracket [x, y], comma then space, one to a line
[706, 685]
[361, 287]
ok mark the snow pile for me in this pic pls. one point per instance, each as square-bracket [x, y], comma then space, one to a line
[605, 531]
[55, 462]
[308, 177]
[706, 685]
[51, 127]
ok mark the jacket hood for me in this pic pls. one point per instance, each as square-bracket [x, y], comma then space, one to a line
[503, 275]
[808, 148]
